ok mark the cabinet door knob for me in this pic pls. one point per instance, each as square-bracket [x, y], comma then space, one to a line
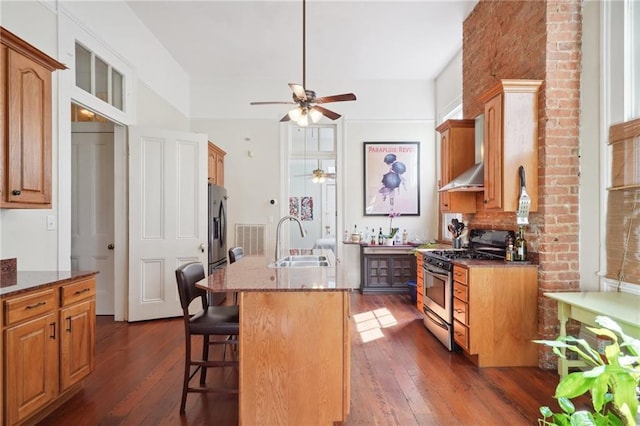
[110, 246]
[16, 192]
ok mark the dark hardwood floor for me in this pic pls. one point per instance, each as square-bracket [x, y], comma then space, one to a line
[400, 375]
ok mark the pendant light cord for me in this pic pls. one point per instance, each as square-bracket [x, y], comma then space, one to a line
[625, 247]
[304, 44]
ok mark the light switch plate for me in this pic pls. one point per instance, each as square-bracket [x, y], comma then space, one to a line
[51, 223]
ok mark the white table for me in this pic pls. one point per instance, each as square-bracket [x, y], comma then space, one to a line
[623, 308]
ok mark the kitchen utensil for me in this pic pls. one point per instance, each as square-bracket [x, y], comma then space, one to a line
[524, 203]
[460, 228]
[452, 229]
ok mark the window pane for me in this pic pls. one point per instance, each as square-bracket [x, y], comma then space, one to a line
[326, 139]
[83, 68]
[102, 80]
[117, 89]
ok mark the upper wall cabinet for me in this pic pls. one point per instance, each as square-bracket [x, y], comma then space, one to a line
[25, 128]
[510, 140]
[457, 155]
[216, 165]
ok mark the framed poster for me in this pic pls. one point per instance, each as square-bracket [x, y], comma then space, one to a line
[391, 178]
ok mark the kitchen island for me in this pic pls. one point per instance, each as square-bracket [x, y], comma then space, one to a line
[294, 341]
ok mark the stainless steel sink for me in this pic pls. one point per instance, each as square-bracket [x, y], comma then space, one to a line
[301, 261]
[305, 258]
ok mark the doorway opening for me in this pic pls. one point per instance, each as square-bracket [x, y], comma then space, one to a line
[92, 202]
[312, 186]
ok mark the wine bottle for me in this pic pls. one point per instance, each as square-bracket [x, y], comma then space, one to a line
[521, 246]
[380, 237]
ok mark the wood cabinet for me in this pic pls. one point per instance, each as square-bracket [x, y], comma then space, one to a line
[419, 282]
[510, 140]
[31, 354]
[26, 126]
[295, 365]
[49, 340]
[495, 314]
[216, 165]
[387, 270]
[457, 155]
[77, 332]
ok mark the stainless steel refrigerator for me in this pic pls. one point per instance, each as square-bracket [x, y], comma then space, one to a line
[217, 224]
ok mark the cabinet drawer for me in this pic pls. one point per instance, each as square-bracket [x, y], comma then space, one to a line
[460, 310]
[75, 292]
[460, 274]
[460, 291]
[461, 335]
[29, 306]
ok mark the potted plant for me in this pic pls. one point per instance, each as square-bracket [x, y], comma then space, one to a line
[612, 381]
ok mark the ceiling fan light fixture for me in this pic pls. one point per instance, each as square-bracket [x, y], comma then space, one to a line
[315, 115]
[318, 176]
[303, 120]
[295, 113]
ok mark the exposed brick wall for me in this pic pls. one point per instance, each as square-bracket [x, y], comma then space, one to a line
[536, 40]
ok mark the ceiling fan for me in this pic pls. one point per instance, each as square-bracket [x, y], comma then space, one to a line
[306, 100]
[319, 175]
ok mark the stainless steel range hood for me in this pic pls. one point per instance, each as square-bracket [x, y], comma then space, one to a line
[472, 179]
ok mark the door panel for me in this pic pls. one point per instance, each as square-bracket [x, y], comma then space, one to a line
[167, 216]
[92, 212]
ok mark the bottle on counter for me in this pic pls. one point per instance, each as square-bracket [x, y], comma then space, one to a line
[405, 237]
[510, 253]
[380, 237]
[521, 246]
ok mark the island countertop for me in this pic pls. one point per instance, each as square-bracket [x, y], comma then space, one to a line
[252, 273]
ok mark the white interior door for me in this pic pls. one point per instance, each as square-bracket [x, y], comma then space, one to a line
[167, 216]
[92, 215]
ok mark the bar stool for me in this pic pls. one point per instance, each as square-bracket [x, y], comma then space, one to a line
[210, 321]
[235, 254]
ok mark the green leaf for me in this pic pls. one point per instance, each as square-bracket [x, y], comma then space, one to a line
[582, 418]
[572, 385]
[546, 412]
[599, 391]
[595, 372]
[566, 405]
[624, 392]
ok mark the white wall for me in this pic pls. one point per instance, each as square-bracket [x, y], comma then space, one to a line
[24, 232]
[448, 86]
[162, 100]
[591, 243]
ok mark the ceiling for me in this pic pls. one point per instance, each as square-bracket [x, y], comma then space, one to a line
[236, 41]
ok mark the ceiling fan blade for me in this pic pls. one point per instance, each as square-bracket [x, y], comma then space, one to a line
[299, 91]
[285, 118]
[336, 98]
[274, 103]
[327, 113]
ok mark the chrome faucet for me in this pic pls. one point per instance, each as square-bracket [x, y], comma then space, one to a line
[302, 232]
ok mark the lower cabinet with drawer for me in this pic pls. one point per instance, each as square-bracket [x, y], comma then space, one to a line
[49, 340]
[495, 314]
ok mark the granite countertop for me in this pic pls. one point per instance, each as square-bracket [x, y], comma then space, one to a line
[14, 282]
[252, 273]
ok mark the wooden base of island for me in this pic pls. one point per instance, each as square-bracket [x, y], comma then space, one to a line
[294, 357]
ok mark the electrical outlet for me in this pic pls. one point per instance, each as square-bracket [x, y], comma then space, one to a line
[51, 223]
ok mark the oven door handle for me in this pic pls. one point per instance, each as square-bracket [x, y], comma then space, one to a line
[427, 271]
[434, 318]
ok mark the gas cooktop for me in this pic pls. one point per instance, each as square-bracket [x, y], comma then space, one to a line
[484, 244]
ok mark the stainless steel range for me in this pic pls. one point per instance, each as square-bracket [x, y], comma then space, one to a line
[484, 244]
